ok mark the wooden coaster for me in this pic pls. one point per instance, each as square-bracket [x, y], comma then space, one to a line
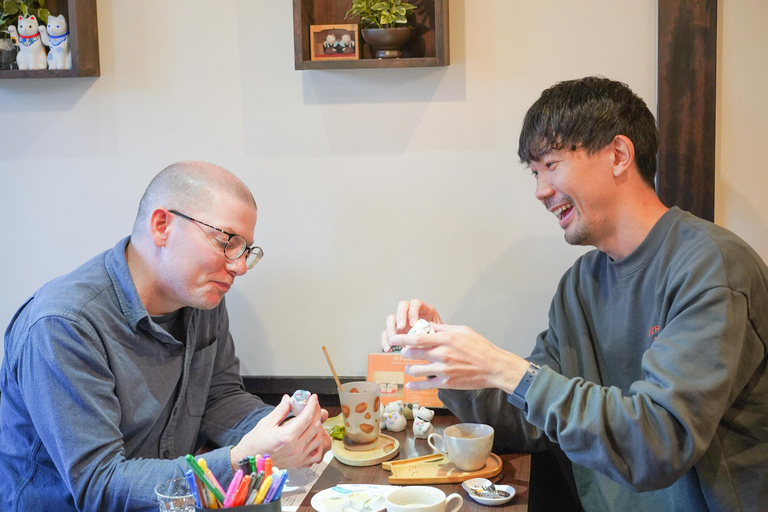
[437, 469]
[385, 448]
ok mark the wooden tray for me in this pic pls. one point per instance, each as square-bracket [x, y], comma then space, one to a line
[385, 448]
[437, 469]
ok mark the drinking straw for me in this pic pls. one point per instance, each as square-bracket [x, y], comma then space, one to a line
[333, 371]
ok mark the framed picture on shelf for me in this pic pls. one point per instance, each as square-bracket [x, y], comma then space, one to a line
[334, 42]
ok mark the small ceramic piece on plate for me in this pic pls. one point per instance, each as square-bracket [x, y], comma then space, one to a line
[485, 492]
[353, 498]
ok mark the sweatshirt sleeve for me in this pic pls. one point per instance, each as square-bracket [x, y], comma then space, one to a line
[648, 437]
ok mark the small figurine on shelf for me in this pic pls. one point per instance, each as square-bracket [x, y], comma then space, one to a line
[422, 421]
[347, 45]
[59, 55]
[330, 45]
[29, 39]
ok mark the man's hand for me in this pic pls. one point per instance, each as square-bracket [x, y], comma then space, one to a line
[408, 313]
[459, 358]
[302, 441]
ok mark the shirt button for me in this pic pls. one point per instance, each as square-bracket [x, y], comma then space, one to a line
[166, 454]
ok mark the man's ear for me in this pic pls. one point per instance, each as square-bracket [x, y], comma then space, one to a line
[159, 220]
[623, 153]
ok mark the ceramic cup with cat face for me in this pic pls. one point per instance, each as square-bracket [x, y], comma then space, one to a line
[360, 403]
[422, 499]
[468, 445]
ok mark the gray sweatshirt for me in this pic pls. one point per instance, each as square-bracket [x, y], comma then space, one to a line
[654, 376]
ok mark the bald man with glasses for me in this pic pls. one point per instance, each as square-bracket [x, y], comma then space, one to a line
[114, 372]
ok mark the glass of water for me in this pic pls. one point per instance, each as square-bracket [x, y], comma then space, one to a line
[175, 496]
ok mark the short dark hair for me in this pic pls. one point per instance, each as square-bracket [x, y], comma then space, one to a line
[588, 113]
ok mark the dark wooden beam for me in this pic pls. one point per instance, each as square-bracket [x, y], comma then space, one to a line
[686, 102]
[272, 389]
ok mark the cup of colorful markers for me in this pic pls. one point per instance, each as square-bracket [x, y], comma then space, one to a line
[255, 485]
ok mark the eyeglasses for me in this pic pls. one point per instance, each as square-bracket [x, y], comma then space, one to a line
[235, 245]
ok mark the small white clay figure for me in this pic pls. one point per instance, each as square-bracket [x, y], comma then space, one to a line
[422, 421]
[59, 55]
[29, 39]
[395, 406]
[421, 327]
[395, 421]
[330, 44]
[299, 401]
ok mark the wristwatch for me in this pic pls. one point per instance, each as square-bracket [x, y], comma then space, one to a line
[517, 398]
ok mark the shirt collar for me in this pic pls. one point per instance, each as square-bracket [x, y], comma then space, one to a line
[127, 294]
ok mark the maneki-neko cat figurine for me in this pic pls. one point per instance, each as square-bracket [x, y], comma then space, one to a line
[59, 55]
[422, 421]
[29, 38]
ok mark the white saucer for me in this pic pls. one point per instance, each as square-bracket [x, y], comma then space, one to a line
[468, 485]
[346, 489]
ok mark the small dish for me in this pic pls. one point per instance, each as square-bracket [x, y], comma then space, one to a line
[476, 484]
[376, 504]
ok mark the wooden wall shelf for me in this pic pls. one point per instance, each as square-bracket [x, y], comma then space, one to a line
[429, 48]
[84, 41]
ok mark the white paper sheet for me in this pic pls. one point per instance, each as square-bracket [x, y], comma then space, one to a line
[300, 482]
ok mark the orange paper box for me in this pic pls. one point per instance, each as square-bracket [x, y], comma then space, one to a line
[388, 371]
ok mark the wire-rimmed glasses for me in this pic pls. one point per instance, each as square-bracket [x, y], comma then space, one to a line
[234, 247]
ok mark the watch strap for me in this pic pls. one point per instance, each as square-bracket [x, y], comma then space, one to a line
[517, 397]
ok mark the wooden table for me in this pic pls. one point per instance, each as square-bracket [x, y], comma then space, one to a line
[515, 471]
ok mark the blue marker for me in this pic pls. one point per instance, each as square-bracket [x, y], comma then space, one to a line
[278, 490]
[190, 476]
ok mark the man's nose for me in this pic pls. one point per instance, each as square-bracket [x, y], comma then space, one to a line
[544, 188]
[238, 267]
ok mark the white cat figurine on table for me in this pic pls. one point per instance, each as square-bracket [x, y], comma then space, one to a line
[59, 55]
[422, 421]
[393, 412]
[29, 39]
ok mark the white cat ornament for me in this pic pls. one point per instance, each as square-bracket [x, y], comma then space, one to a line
[59, 55]
[29, 39]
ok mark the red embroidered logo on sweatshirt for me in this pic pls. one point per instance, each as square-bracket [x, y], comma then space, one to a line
[653, 331]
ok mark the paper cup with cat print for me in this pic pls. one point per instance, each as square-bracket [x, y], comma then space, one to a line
[360, 403]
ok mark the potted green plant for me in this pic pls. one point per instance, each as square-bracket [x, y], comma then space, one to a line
[11, 10]
[384, 25]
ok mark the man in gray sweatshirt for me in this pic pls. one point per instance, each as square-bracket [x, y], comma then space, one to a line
[651, 375]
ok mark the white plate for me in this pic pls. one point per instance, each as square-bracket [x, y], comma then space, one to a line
[468, 485]
[347, 489]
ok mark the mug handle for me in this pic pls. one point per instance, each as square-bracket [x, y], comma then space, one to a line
[459, 503]
[432, 444]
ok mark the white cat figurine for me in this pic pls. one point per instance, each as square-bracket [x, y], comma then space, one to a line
[395, 421]
[29, 39]
[59, 55]
[422, 421]
[393, 412]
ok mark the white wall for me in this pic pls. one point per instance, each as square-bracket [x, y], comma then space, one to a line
[742, 128]
[373, 185]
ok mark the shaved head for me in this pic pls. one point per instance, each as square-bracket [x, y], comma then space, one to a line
[187, 187]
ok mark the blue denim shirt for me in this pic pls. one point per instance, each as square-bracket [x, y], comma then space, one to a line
[85, 379]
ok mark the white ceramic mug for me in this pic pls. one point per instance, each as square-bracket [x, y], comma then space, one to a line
[468, 445]
[422, 499]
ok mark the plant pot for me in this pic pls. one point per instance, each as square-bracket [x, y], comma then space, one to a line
[8, 55]
[388, 43]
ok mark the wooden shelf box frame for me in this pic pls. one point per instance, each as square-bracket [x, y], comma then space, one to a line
[83, 41]
[429, 47]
